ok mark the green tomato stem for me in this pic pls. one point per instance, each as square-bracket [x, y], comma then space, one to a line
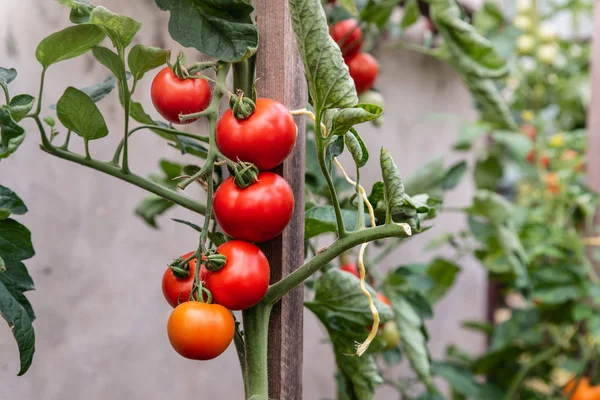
[38, 109]
[136, 180]
[6, 94]
[353, 239]
[256, 333]
[65, 145]
[170, 131]
[126, 106]
[244, 74]
[238, 340]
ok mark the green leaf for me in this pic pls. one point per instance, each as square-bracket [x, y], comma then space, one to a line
[517, 144]
[378, 12]
[472, 53]
[329, 82]
[492, 107]
[411, 14]
[357, 148]
[350, 6]
[558, 294]
[7, 75]
[20, 323]
[463, 381]
[15, 241]
[49, 121]
[454, 175]
[233, 36]
[443, 273]
[411, 328]
[488, 173]
[20, 106]
[468, 134]
[346, 118]
[395, 197]
[427, 179]
[344, 310]
[321, 219]
[100, 90]
[493, 206]
[142, 59]
[151, 207]
[110, 60]
[4, 213]
[80, 10]
[11, 134]
[17, 280]
[10, 201]
[69, 43]
[119, 28]
[78, 112]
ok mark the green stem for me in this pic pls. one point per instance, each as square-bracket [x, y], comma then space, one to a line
[65, 145]
[209, 201]
[126, 107]
[238, 340]
[38, 109]
[6, 94]
[256, 332]
[321, 149]
[171, 131]
[244, 74]
[86, 143]
[136, 180]
[353, 239]
[537, 359]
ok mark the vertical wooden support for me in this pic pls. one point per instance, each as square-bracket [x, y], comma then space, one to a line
[593, 132]
[280, 77]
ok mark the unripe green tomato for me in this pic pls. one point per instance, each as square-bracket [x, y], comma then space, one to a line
[390, 335]
[547, 53]
[546, 33]
[371, 97]
[525, 44]
[524, 7]
[524, 23]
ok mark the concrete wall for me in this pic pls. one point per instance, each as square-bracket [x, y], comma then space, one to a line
[101, 316]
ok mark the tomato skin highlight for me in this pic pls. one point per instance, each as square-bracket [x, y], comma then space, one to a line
[348, 35]
[266, 138]
[177, 290]
[244, 279]
[257, 213]
[200, 331]
[364, 70]
[351, 268]
[172, 96]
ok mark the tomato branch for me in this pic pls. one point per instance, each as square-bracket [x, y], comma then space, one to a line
[353, 239]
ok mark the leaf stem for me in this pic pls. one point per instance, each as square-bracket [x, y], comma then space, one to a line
[38, 109]
[136, 180]
[6, 94]
[537, 359]
[86, 143]
[126, 107]
[281, 288]
[65, 145]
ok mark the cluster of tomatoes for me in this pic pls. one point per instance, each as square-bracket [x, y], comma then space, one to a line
[389, 331]
[363, 67]
[201, 325]
[541, 41]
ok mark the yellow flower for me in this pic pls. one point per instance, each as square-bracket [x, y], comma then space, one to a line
[527, 115]
[557, 140]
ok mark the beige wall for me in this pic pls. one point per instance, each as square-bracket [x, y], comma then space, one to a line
[101, 316]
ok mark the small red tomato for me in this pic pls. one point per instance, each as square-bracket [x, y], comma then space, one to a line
[348, 35]
[364, 70]
[544, 159]
[265, 138]
[529, 130]
[351, 268]
[384, 299]
[200, 331]
[257, 213]
[172, 96]
[244, 279]
[177, 290]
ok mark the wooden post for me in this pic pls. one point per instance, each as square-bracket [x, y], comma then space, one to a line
[593, 132]
[280, 77]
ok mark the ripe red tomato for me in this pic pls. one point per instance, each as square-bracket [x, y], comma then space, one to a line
[177, 290]
[265, 138]
[584, 391]
[200, 331]
[348, 35]
[172, 96]
[244, 279]
[364, 69]
[351, 268]
[257, 213]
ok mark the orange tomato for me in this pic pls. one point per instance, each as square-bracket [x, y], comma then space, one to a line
[583, 392]
[552, 182]
[384, 299]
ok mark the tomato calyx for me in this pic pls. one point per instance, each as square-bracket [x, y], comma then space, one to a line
[188, 72]
[215, 261]
[245, 174]
[180, 268]
[241, 106]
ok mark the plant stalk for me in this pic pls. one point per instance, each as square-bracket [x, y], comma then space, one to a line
[256, 333]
